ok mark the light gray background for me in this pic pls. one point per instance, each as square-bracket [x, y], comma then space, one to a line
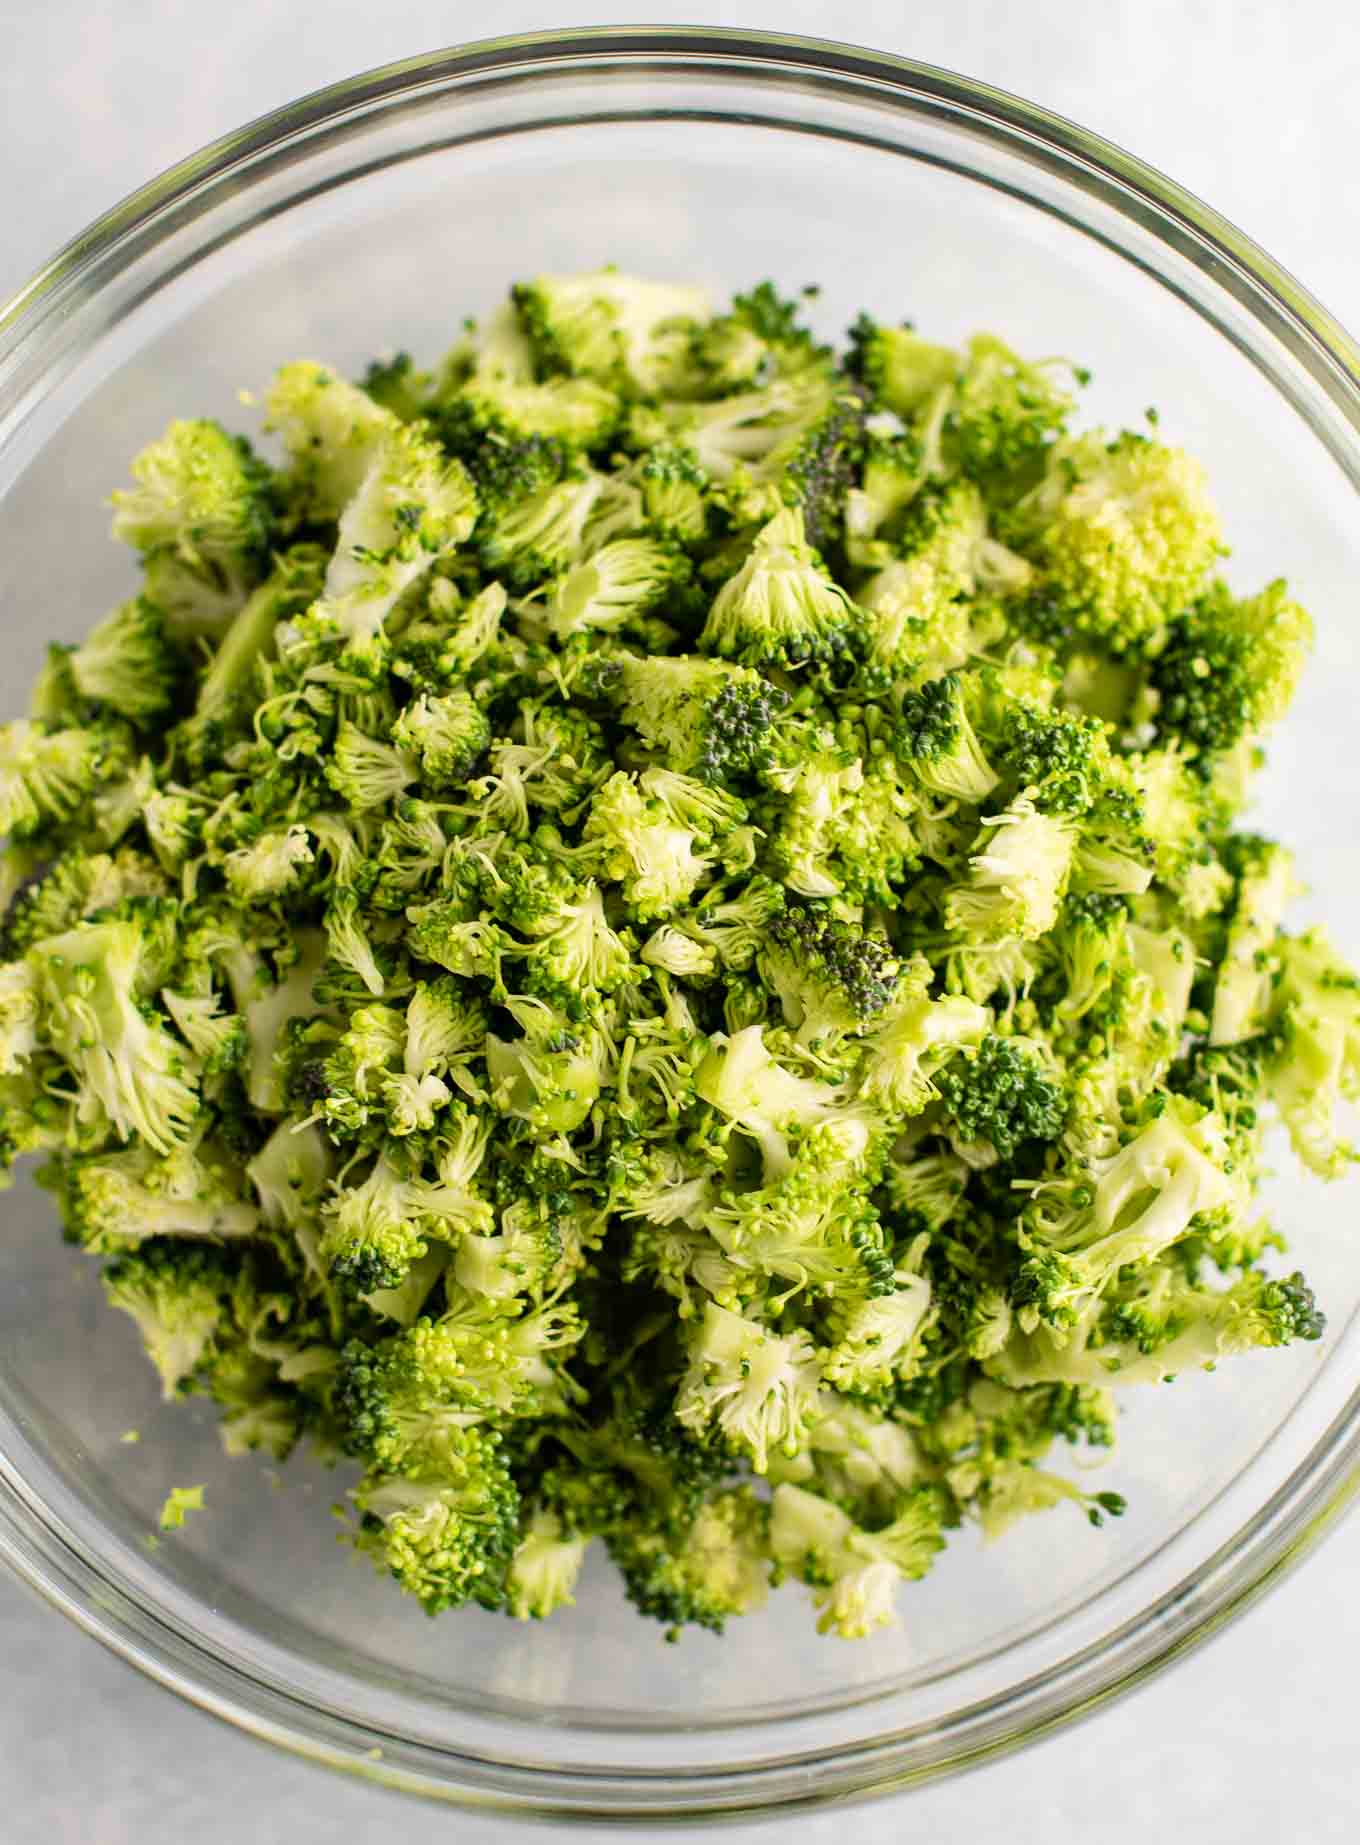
[1252, 105]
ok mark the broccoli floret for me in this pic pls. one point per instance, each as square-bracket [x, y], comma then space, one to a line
[395, 384]
[781, 607]
[757, 1389]
[716, 1569]
[1166, 1327]
[707, 718]
[1002, 1094]
[1125, 533]
[935, 737]
[614, 586]
[412, 504]
[1314, 1048]
[130, 1066]
[450, 734]
[901, 370]
[853, 1573]
[830, 978]
[1230, 667]
[223, 705]
[1018, 877]
[675, 493]
[447, 1539]
[1081, 1231]
[332, 430]
[375, 1228]
[113, 1201]
[48, 776]
[202, 497]
[890, 476]
[406, 1402]
[125, 663]
[1005, 409]
[175, 1295]
[617, 328]
[1265, 886]
[543, 1569]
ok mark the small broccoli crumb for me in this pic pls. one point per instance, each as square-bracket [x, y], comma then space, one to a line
[181, 1501]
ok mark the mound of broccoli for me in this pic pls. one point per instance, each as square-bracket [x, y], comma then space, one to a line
[643, 937]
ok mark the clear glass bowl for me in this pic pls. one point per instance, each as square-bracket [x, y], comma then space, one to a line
[378, 213]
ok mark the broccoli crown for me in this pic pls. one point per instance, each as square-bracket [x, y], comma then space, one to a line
[648, 939]
[824, 969]
[446, 1540]
[1229, 667]
[1001, 1094]
[1062, 756]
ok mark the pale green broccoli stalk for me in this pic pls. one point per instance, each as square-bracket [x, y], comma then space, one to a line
[781, 607]
[267, 1001]
[891, 475]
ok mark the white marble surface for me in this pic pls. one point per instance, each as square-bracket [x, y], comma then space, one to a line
[1252, 1741]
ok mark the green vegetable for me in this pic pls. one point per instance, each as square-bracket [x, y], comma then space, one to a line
[644, 938]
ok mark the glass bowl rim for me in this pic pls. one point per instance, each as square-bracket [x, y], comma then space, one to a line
[1272, 1542]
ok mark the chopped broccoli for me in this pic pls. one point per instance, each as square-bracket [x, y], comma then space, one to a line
[648, 939]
